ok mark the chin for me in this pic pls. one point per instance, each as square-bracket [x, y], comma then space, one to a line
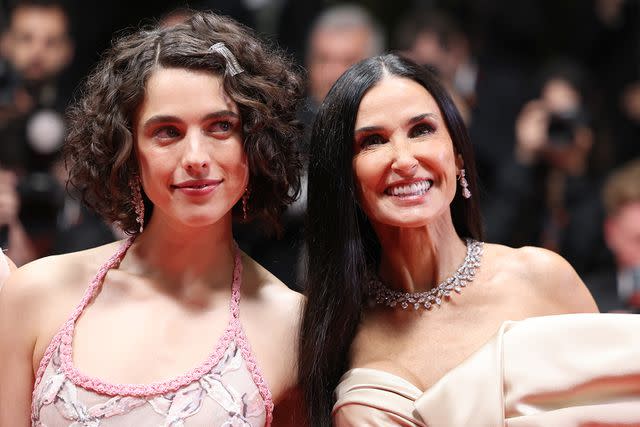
[200, 221]
[402, 221]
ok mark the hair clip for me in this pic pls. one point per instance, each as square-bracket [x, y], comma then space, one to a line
[232, 63]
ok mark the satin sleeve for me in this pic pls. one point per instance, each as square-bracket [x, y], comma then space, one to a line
[370, 397]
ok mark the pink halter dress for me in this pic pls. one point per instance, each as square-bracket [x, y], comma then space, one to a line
[227, 389]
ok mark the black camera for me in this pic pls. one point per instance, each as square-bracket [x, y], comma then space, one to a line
[562, 127]
[41, 198]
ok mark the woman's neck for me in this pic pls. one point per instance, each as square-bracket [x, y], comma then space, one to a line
[182, 257]
[418, 259]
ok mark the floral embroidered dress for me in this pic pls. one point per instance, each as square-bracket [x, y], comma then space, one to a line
[226, 390]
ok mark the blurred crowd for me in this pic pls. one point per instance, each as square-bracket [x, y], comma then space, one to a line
[550, 92]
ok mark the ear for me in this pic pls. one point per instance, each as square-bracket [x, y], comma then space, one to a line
[459, 162]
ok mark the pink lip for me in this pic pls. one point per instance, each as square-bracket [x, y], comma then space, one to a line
[197, 187]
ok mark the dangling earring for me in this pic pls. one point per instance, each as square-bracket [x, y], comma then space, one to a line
[138, 203]
[464, 184]
[245, 203]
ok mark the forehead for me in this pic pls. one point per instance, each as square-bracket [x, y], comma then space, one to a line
[52, 19]
[354, 39]
[182, 92]
[395, 99]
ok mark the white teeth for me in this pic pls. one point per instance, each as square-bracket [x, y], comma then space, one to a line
[415, 189]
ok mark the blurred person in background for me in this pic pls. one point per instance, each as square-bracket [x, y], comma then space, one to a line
[618, 288]
[544, 195]
[607, 38]
[341, 36]
[432, 38]
[12, 233]
[36, 49]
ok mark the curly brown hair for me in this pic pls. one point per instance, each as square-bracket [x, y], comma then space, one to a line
[100, 151]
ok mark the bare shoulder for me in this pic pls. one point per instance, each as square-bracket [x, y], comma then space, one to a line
[270, 313]
[267, 289]
[43, 293]
[547, 273]
[59, 273]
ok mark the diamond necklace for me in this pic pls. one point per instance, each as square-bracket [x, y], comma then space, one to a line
[382, 294]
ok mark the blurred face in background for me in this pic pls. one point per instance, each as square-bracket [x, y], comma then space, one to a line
[38, 44]
[331, 52]
[622, 233]
[561, 99]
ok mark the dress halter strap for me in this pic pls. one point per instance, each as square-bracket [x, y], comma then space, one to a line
[236, 284]
[96, 283]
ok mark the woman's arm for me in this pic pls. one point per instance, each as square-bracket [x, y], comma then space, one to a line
[18, 306]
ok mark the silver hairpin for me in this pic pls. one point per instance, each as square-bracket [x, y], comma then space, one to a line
[232, 63]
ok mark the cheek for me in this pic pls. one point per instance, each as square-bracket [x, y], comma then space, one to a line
[368, 169]
[235, 160]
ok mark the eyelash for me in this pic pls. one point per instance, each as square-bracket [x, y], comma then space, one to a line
[217, 127]
[161, 132]
[421, 129]
[416, 131]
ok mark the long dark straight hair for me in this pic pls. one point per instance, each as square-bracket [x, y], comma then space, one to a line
[341, 242]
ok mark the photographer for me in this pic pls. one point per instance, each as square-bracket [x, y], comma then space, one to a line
[12, 233]
[545, 195]
[618, 287]
[36, 49]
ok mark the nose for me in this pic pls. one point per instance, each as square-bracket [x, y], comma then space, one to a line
[404, 161]
[196, 158]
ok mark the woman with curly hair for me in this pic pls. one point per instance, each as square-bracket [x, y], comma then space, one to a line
[176, 131]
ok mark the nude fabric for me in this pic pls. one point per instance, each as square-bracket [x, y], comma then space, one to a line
[565, 370]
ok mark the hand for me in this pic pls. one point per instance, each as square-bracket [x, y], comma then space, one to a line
[9, 200]
[532, 127]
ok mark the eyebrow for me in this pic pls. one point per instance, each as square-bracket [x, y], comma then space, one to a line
[421, 117]
[168, 118]
[412, 120]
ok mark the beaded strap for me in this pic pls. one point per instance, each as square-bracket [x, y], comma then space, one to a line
[245, 347]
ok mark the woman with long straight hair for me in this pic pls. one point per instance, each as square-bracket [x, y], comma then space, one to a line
[408, 315]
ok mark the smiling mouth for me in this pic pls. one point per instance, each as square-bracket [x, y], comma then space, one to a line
[417, 188]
